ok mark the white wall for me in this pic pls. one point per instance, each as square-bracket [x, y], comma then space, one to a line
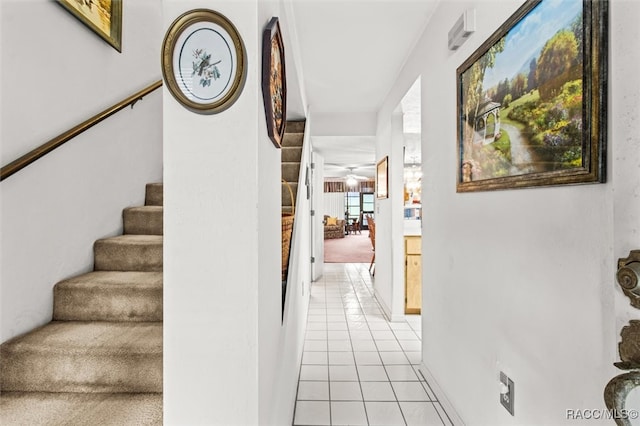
[229, 358]
[317, 195]
[521, 281]
[389, 273]
[55, 209]
[333, 204]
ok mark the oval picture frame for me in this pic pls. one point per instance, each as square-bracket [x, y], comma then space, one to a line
[204, 61]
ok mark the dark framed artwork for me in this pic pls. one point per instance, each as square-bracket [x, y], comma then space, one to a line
[532, 100]
[204, 61]
[382, 178]
[103, 17]
[274, 84]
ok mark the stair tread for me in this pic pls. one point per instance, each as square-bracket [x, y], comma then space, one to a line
[39, 408]
[116, 278]
[109, 296]
[145, 209]
[132, 239]
[79, 337]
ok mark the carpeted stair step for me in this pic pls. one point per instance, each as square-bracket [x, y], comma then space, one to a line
[290, 154]
[80, 409]
[69, 356]
[291, 171]
[144, 220]
[153, 194]
[128, 253]
[292, 139]
[109, 296]
[295, 126]
[286, 197]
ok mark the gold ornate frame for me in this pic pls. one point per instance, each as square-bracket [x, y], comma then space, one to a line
[382, 178]
[274, 81]
[473, 155]
[113, 35]
[210, 33]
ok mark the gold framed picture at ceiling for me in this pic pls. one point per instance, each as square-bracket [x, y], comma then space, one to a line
[274, 84]
[532, 100]
[204, 61]
[382, 178]
[104, 17]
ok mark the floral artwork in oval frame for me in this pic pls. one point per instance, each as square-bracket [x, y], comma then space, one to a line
[204, 61]
[532, 100]
[274, 84]
[104, 17]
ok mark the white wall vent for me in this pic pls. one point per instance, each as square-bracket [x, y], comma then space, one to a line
[462, 29]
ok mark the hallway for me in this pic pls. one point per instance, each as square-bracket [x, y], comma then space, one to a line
[358, 368]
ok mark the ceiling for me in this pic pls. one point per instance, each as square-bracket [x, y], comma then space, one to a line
[351, 52]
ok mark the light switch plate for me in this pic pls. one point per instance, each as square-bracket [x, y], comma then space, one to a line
[507, 398]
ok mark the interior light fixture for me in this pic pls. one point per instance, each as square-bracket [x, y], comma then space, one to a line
[351, 181]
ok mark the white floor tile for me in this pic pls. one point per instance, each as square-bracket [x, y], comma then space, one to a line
[339, 345]
[361, 335]
[343, 373]
[336, 318]
[384, 413]
[420, 414]
[363, 345]
[348, 413]
[332, 326]
[409, 391]
[383, 335]
[358, 326]
[316, 335]
[401, 373]
[313, 391]
[315, 345]
[411, 345]
[372, 373]
[394, 358]
[341, 358]
[405, 335]
[400, 326]
[312, 413]
[345, 391]
[316, 326]
[314, 372]
[367, 358]
[317, 318]
[351, 353]
[317, 358]
[414, 357]
[388, 346]
[379, 326]
[338, 334]
[377, 391]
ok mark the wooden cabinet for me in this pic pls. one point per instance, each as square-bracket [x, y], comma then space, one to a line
[413, 274]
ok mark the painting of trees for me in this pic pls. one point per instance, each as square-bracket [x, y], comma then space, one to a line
[473, 94]
[523, 98]
[557, 64]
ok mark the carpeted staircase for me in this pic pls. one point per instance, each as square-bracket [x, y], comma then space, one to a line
[290, 159]
[291, 153]
[99, 362]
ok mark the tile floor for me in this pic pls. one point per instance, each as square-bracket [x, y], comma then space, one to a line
[358, 368]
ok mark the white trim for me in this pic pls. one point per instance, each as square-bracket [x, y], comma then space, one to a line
[386, 310]
[440, 395]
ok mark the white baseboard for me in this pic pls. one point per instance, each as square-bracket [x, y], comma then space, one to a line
[386, 310]
[441, 396]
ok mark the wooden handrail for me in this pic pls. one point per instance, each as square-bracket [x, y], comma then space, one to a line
[47, 147]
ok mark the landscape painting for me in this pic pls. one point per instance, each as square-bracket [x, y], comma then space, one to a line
[525, 103]
[104, 17]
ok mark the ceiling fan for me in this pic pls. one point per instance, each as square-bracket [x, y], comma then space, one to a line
[350, 177]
